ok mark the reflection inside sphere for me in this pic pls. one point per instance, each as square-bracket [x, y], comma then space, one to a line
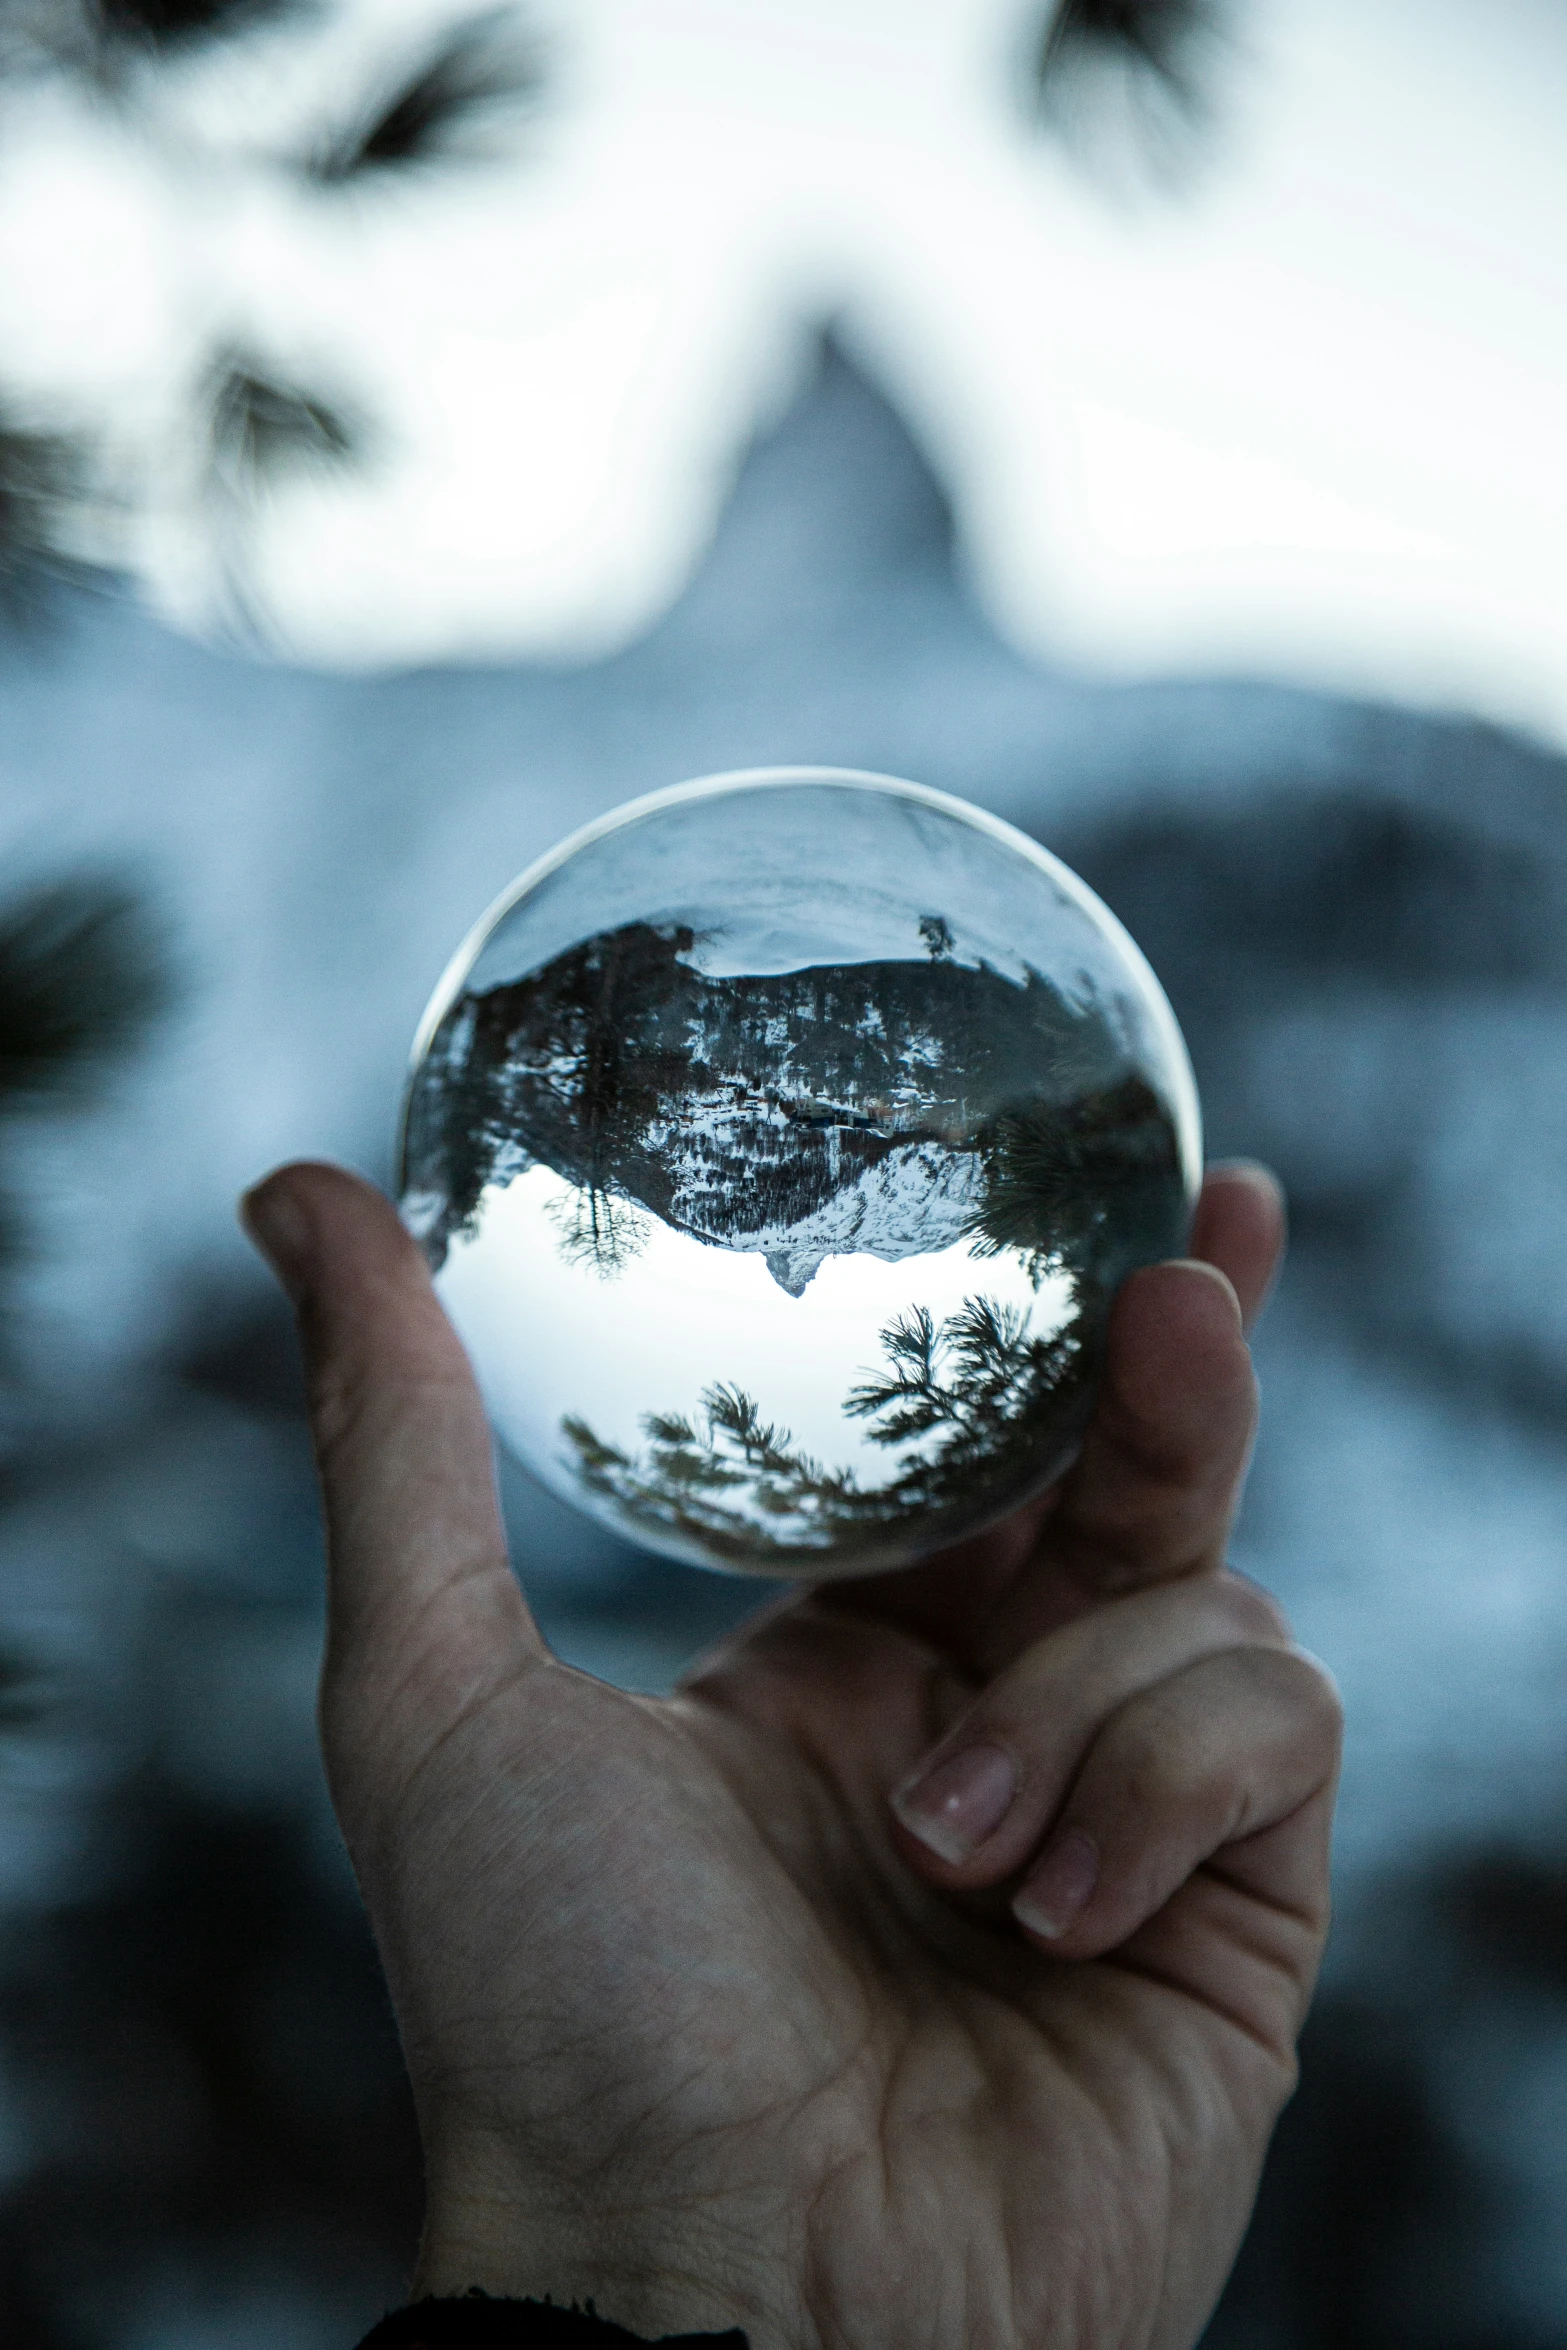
[781, 1205]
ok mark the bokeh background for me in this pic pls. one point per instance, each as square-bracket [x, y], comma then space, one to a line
[424, 426]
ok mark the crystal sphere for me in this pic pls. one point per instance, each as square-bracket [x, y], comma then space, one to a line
[778, 1144]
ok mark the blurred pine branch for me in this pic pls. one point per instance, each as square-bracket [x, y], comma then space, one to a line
[1165, 39]
[262, 427]
[98, 39]
[82, 975]
[1133, 80]
[166, 24]
[465, 97]
[42, 487]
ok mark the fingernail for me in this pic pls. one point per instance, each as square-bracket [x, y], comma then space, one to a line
[281, 1231]
[1059, 1890]
[953, 1808]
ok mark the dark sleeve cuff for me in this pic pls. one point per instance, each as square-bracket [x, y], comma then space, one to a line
[476, 2322]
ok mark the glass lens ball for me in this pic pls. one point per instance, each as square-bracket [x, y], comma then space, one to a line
[778, 1144]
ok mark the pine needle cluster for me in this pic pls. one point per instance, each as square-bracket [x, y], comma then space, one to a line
[973, 1404]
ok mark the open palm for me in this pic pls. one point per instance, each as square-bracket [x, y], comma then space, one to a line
[928, 1968]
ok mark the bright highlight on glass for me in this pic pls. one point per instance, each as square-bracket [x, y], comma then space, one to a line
[779, 1144]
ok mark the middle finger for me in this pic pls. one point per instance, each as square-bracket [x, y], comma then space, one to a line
[978, 1801]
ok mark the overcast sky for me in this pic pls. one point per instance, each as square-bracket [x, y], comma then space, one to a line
[1299, 418]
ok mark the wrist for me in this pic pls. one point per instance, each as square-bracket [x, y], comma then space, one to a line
[652, 2272]
[480, 2321]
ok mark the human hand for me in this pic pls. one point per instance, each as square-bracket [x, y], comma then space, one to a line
[699, 2022]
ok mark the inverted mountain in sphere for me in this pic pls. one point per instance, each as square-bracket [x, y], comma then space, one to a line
[886, 1108]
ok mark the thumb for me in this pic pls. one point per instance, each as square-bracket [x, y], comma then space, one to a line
[423, 1611]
